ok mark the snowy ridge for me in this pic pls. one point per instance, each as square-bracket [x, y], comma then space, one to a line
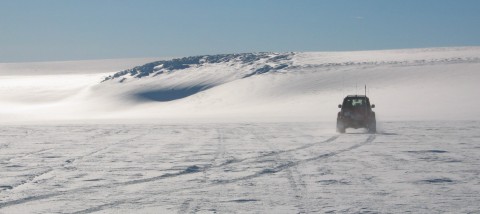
[257, 63]
[397, 63]
[260, 63]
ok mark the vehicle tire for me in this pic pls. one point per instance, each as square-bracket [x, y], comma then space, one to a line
[372, 126]
[340, 126]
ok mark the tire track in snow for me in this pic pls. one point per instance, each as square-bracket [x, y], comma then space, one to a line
[29, 179]
[29, 154]
[97, 151]
[65, 165]
[189, 170]
[185, 206]
[103, 207]
[28, 199]
[306, 146]
[298, 184]
[288, 172]
[290, 164]
[96, 208]
[191, 204]
[219, 153]
[32, 177]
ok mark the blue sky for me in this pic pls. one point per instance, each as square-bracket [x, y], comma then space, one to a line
[53, 30]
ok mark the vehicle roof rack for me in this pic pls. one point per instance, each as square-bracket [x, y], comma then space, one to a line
[356, 96]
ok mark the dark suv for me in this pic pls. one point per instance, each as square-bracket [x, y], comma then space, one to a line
[356, 113]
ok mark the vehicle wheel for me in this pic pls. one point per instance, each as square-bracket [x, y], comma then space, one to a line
[372, 126]
[340, 126]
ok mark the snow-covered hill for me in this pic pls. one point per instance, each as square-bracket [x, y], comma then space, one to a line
[410, 84]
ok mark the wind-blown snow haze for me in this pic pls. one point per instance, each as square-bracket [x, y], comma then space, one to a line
[410, 84]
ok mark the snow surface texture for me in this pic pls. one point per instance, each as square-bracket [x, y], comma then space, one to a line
[242, 133]
[412, 84]
[414, 167]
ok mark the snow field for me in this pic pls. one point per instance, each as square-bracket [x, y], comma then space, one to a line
[249, 167]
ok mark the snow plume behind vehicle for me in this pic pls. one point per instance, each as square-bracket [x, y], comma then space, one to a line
[410, 84]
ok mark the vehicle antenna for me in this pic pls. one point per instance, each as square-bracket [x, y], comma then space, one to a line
[366, 107]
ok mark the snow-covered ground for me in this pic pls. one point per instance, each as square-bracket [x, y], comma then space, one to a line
[241, 133]
[418, 167]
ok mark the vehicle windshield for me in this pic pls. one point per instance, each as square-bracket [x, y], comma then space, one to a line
[355, 102]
